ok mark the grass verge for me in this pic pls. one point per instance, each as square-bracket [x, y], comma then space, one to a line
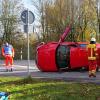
[38, 89]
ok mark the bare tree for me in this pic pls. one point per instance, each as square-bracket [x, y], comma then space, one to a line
[98, 15]
[57, 14]
[9, 18]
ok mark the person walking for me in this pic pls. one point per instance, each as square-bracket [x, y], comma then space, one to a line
[8, 54]
[92, 55]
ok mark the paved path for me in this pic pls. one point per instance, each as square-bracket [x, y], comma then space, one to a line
[20, 70]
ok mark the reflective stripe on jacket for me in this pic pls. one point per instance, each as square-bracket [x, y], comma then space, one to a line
[91, 51]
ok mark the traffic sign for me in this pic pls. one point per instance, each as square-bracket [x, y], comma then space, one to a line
[31, 17]
[24, 16]
[27, 17]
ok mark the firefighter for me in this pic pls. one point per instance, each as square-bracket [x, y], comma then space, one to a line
[92, 54]
[8, 54]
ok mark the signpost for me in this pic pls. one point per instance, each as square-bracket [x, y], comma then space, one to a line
[27, 18]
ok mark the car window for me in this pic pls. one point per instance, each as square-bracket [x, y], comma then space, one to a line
[83, 45]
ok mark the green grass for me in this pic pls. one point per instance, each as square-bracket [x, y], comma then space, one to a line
[36, 89]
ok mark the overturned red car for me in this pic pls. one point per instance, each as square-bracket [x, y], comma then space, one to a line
[53, 56]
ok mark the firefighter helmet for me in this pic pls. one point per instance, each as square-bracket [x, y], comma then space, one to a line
[93, 39]
[6, 44]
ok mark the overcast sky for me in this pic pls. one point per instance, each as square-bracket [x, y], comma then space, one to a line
[27, 3]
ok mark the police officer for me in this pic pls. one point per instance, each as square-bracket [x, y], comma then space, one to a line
[92, 54]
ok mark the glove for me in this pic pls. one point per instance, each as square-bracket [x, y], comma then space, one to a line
[13, 56]
[4, 55]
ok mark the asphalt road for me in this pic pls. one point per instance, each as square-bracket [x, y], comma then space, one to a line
[19, 65]
[20, 69]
